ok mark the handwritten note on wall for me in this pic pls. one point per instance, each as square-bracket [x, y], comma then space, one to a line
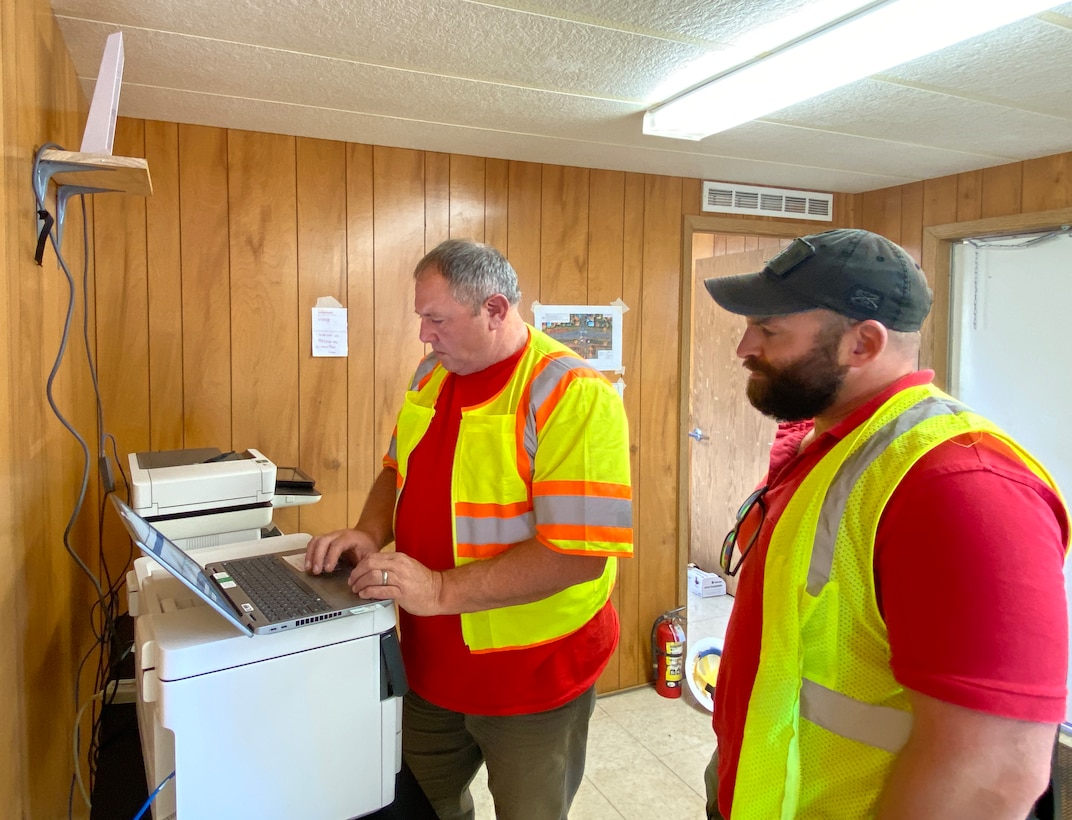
[329, 327]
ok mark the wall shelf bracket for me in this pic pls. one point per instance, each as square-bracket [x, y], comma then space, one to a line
[78, 173]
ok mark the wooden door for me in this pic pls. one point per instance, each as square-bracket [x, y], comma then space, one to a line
[730, 458]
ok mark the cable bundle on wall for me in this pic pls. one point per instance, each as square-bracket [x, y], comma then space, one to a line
[108, 606]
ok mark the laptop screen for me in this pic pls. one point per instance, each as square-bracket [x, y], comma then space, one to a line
[181, 565]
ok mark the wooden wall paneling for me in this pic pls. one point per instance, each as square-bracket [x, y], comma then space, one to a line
[634, 647]
[39, 302]
[164, 273]
[969, 195]
[123, 316]
[605, 236]
[398, 231]
[911, 227]
[13, 180]
[467, 202]
[364, 450]
[691, 196]
[16, 249]
[564, 236]
[206, 287]
[47, 497]
[880, 211]
[605, 248]
[843, 211]
[661, 562]
[262, 205]
[524, 230]
[1002, 190]
[322, 381]
[41, 103]
[496, 203]
[1047, 183]
[912, 219]
[939, 207]
[436, 198]
[939, 200]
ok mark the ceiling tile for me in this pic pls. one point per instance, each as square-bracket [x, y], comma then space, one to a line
[879, 110]
[567, 81]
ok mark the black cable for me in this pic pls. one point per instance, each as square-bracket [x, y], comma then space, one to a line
[42, 238]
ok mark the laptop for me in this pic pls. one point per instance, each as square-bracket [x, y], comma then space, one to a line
[259, 595]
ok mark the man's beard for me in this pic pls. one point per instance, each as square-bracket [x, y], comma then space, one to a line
[800, 390]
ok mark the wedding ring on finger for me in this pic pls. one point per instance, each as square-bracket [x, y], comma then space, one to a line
[384, 578]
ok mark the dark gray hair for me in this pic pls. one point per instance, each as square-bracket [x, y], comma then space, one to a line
[474, 271]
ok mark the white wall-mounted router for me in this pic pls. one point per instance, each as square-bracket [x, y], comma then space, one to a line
[93, 169]
[104, 108]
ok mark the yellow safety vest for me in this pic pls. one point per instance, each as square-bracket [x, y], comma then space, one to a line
[826, 718]
[547, 458]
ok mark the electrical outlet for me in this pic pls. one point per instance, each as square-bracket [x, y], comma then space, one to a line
[121, 691]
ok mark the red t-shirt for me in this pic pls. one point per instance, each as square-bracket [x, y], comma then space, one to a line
[976, 617]
[439, 665]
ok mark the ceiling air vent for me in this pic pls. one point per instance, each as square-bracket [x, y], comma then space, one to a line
[729, 198]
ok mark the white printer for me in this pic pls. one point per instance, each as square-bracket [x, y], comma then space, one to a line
[302, 723]
[201, 497]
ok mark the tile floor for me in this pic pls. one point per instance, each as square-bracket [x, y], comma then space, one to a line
[646, 753]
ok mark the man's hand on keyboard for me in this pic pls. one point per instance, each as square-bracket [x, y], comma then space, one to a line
[323, 552]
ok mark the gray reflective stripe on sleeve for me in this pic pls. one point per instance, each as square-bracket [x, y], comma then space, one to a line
[837, 496]
[426, 366]
[584, 510]
[513, 530]
[540, 390]
[882, 727]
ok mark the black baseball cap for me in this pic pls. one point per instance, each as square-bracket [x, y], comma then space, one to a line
[856, 273]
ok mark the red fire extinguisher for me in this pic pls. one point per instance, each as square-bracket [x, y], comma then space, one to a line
[668, 653]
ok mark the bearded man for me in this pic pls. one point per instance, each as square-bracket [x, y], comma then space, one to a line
[899, 640]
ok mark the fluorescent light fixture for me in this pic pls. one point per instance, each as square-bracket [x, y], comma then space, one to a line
[878, 37]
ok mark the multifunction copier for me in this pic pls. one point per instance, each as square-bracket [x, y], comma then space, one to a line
[304, 723]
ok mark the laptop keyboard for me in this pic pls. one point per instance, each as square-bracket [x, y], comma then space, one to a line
[274, 589]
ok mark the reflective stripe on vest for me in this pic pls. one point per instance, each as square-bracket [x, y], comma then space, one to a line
[542, 388]
[822, 554]
[490, 535]
[486, 537]
[878, 726]
[424, 370]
